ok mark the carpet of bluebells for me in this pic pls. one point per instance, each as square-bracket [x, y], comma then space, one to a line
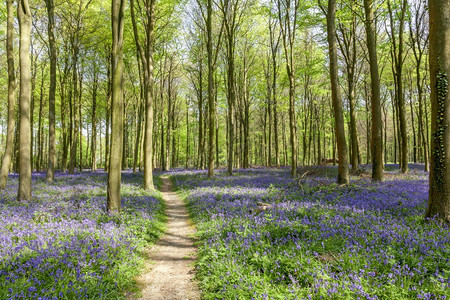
[64, 245]
[319, 240]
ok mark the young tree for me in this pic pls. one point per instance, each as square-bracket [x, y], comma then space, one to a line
[418, 33]
[439, 197]
[347, 45]
[6, 163]
[232, 11]
[211, 99]
[115, 162]
[52, 91]
[377, 134]
[398, 57]
[287, 15]
[146, 56]
[24, 14]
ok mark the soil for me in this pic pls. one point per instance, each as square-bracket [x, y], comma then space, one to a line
[170, 271]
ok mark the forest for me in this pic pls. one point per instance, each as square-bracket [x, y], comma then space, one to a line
[258, 149]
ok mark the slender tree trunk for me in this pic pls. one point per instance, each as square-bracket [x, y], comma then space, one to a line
[377, 135]
[138, 138]
[108, 116]
[24, 14]
[211, 99]
[200, 118]
[75, 137]
[188, 140]
[217, 128]
[398, 64]
[80, 119]
[292, 121]
[51, 94]
[147, 63]
[231, 100]
[40, 129]
[94, 122]
[7, 158]
[413, 127]
[114, 174]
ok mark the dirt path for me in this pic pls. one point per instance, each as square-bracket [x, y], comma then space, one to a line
[171, 271]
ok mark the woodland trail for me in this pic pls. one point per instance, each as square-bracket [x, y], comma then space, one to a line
[170, 272]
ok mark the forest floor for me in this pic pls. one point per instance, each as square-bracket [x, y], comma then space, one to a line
[170, 270]
[258, 234]
[264, 235]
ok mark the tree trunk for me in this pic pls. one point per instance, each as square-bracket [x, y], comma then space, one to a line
[439, 197]
[138, 137]
[343, 177]
[114, 174]
[40, 137]
[398, 69]
[231, 100]
[6, 163]
[211, 99]
[24, 14]
[80, 119]
[94, 122]
[75, 137]
[108, 116]
[377, 135]
[147, 63]
[51, 93]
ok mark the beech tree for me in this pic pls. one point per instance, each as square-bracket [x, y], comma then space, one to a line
[115, 160]
[343, 177]
[287, 15]
[24, 15]
[7, 158]
[146, 57]
[439, 197]
[398, 58]
[52, 93]
[376, 128]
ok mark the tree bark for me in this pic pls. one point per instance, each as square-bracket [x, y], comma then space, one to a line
[114, 174]
[439, 60]
[287, 15]
[147, 64]
[343, 177]
[211, 99]
[94, 121]
[51, 94]
[6, 163]
[377, 135]
[40, 137]
[24, 14]
[398, 70]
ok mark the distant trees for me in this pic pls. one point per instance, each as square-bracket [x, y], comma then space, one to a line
[251, 84]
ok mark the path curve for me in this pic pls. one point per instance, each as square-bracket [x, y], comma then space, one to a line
[172, 272]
